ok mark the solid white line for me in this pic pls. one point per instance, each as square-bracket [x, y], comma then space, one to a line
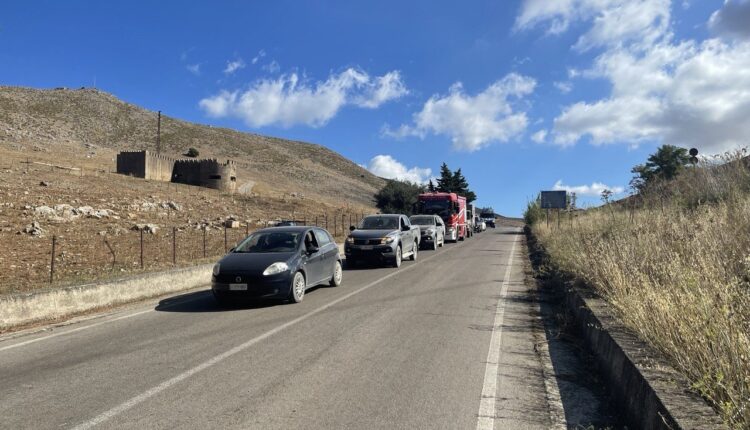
[86, 327]
[487, 403]
[38, 339]
[237, 349]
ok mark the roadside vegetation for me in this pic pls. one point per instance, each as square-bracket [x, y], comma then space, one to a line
[674, 262]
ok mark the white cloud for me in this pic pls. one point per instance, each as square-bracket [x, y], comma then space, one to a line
[733, 19]
[381, 89]
[593, 190]
[272, 67]
[288, 101]
[614, 21]
[472, 122]
[388, 167]
[233, 66]
[194, 69]
[257, 58]
[681, 93]
[540, 136]
[564, 86]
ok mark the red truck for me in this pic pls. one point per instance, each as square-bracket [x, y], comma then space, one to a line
[450, 207]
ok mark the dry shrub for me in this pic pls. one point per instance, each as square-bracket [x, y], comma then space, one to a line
[677, 271]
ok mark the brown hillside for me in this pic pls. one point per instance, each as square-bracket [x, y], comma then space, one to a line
[96, 124]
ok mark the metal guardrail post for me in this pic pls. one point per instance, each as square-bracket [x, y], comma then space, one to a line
[52, 263]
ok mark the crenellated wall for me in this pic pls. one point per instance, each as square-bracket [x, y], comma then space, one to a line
[209, 173]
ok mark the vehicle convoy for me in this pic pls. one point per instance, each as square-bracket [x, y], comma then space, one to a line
[431, 229]
[448, 206]
[388, 238]
[277, 262]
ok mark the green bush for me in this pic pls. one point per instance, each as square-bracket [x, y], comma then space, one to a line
[398, 197]
[533, 212]
[192, 152]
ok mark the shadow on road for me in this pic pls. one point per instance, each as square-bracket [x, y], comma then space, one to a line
[203, 301]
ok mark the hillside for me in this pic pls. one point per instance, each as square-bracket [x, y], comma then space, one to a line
[96, 125]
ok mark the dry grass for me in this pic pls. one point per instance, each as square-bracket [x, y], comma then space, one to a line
[677, 271]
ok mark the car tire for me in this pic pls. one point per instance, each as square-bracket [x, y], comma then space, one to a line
[398, 258]
[435, 243]
[338, 275]
[297, 289]
[413, 256]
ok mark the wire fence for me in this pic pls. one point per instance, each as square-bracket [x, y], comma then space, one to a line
[77, 258]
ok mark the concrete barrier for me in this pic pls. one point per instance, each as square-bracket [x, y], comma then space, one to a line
[27, 308]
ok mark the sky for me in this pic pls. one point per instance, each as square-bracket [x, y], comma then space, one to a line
[522, 95]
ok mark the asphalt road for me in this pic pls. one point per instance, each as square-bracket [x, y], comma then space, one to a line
[446, 342]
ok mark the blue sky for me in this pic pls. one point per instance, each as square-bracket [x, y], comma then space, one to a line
[522, 95]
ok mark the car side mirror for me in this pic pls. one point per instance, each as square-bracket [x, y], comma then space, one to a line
[352, 228]
[312, 249]
[405, 228]
[232, 250]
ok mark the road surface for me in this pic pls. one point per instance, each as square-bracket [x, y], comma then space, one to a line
[446, 342]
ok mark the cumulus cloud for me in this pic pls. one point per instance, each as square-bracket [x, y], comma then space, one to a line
[614, 21]
[289, 100]
[233, 66]
[593, 190]
[388, 167]
[472, 121]
[194, 69]
[540, 136]
[272, 67]
[681, 93]
[733, 19]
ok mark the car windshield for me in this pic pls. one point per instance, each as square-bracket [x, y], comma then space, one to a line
[379, 223]
[423, 220]
[270, 241]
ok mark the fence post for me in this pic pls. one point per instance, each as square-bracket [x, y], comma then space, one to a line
[52, 263]
[343, 221]
[225, 239]
[335, 225]
[141, 231]
[326, 218]
[111, 251]
[247, 229]
[174, 246]
[204, 241]
[316, 220]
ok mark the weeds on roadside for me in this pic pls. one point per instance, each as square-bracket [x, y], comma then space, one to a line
[675, 265]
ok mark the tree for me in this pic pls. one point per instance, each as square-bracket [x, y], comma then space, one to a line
[445, 181]
[431, 187]
[534, 212]
[398, 197]
[192, 153]
[665, 164]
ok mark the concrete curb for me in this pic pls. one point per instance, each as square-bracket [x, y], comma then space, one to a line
[649, 392]
[22, 309]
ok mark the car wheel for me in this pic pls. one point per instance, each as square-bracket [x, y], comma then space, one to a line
[435, 243]
[338, 275]
[442, 241]
[297, 290]
[413, 256]
[397, 260]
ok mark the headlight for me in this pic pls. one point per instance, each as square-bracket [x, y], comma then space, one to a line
[386, 240]
[430, 231]
[216, 269]
[350, 239]
[275, 269]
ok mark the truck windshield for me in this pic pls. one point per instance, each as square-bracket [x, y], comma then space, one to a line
[270, 242]
[379, 223]
[422, 220]
[436, 207]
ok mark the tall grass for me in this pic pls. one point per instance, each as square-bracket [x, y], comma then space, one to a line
[676, 269]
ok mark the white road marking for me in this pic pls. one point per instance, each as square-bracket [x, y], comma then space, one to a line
[229, 353]
[487, 403]
[86, 327]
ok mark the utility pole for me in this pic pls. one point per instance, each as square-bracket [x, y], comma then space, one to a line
[158, 133]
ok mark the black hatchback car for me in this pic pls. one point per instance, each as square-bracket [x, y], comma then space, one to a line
[277, 262]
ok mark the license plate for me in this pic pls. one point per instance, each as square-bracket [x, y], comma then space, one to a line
[365, 247]
[238, 287]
